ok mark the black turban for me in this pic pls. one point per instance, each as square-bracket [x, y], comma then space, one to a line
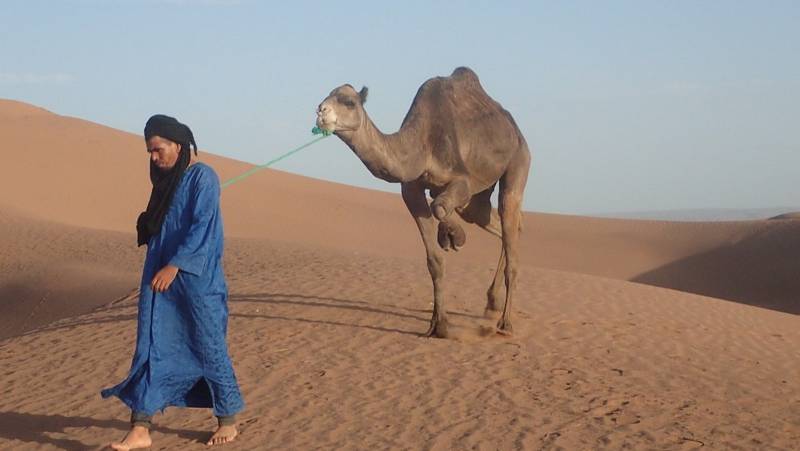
[165, 182]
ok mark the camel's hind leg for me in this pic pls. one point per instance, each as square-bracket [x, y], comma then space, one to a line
[479, 211]
[493, 293]
[417, 203]
[512, 187]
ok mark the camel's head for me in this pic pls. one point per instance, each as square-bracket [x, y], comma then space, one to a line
[342, 110]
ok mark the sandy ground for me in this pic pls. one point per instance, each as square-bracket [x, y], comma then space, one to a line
[628, 334]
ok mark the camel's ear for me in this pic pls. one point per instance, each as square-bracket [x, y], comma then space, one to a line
[363, 94]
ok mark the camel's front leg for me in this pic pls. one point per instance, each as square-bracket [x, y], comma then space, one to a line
[456, 194]
[417, 203]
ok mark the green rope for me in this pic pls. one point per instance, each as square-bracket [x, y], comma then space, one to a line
[321, 131]
[315, 130]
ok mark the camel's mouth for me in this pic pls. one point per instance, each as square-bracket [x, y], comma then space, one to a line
[326, 125]
[326, 122]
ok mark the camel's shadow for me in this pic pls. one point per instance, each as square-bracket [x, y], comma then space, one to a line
[315, 301]
[39, 428]
[268, 297]
[422, 315]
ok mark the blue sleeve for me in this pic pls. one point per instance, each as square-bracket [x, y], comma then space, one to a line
[193, 251]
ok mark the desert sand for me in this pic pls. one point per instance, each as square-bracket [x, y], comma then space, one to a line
[628, 334]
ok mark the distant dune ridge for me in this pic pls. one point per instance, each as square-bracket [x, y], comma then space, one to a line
[710, 214]
[794, 215]
[329, 293]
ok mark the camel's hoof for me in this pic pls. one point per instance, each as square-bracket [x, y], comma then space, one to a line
[451, 236]
[457, 236]
[438, 329]
[504, 328]
[443, 237]
[505, 332]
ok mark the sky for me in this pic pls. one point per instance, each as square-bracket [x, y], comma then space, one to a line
[626, 105]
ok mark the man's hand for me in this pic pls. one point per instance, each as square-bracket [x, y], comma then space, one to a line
[163, 279]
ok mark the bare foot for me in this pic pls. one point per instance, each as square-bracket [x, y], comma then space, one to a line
[138, 437]
[224, 434]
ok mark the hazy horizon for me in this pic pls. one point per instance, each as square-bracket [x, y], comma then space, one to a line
[627, 106]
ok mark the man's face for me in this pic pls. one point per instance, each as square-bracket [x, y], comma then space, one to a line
[163, 152]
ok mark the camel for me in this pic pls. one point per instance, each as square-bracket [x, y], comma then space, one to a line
[457, 143]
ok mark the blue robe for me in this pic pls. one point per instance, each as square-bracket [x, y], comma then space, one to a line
[181, 356]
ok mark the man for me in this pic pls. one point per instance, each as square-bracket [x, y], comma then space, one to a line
[181, 356]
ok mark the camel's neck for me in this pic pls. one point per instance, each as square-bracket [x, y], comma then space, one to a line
[394, 158]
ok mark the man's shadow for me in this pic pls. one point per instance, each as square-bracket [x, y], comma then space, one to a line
[37, 428]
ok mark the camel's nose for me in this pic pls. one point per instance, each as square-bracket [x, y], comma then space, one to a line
[322, 109]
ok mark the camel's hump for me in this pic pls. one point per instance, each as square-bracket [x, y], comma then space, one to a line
[464, 73]
[461, 89]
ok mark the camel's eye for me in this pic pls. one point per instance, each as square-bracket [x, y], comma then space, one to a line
[346, 101]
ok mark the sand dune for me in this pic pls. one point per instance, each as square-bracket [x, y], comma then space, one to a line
[106, 191]
[50, 271]
[329, 293]
[328, 354]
